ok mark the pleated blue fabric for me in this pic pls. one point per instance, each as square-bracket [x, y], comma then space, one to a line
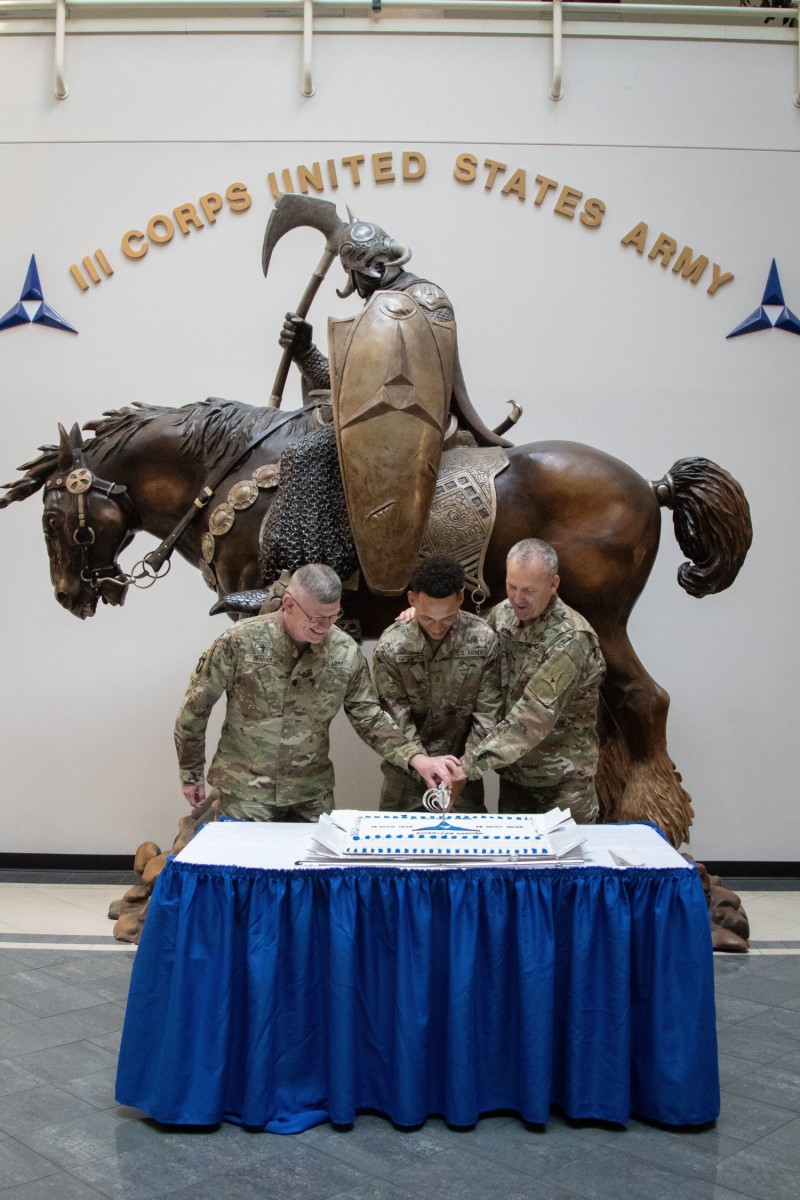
[282, 999]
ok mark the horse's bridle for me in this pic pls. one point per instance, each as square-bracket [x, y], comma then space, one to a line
[80, 483]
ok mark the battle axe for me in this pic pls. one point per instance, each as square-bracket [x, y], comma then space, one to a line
[290, 212]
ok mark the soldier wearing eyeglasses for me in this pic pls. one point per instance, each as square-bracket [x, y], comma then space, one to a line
[286, 675]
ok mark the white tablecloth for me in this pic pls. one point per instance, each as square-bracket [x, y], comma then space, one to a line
[275, 845]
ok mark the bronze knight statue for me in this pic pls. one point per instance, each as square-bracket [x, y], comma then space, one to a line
[397, 387]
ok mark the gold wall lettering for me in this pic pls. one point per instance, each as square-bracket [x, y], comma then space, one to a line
[384, 165]
[161, 228]
[404, 166]
[565, 203]
[686, 265]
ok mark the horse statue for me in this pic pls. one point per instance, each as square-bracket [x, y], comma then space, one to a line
[146, 465]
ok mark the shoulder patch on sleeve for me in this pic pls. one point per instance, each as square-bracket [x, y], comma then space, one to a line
[553, 679]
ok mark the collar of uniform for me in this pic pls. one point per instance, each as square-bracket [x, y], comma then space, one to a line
[445, 644]
[530, 630]
[287, 645]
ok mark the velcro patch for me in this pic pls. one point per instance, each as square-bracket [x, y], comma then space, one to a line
[553, 679]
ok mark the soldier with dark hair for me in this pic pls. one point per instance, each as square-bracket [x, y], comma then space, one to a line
[286, 675]
[438, 676]
[438, 577]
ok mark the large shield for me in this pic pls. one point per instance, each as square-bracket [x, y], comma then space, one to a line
[391, 373]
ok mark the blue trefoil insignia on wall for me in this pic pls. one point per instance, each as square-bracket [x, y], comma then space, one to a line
[31, 308]
[772, 313]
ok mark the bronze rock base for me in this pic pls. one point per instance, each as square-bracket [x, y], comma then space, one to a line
[130, 911]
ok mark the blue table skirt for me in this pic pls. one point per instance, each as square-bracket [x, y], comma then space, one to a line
[282, 999]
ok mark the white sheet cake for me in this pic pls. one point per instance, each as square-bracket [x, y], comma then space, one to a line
[461, 835]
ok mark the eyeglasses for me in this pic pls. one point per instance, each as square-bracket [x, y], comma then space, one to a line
[318, 619]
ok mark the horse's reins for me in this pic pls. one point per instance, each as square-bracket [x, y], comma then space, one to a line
[80, 481]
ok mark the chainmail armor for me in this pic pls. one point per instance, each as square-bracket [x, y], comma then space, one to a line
[313, 367]
[307, 521]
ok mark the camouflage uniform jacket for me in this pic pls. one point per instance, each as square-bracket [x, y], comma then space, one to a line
[552, 668]
[274, 742]
[446, 696]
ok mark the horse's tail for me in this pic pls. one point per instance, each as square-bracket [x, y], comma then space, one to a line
[712, 523]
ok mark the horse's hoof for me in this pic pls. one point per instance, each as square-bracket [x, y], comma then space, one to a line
[734, 921]
[153, 869]
[145, 852]
[129, 926]
[726, 940]
[249, 603]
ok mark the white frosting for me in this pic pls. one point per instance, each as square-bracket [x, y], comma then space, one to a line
[450, 835]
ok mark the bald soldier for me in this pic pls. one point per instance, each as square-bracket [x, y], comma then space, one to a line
[286, 675]
[438, 676]
[545, 749]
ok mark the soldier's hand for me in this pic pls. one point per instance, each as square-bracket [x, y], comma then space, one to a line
[434, 770]
[406, 615]
[296, 335]
[195, 793]
[457, 773]
[457, 786]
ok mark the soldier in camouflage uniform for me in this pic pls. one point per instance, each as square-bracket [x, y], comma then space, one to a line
[438, 676]
[545, 749]
[286, 676]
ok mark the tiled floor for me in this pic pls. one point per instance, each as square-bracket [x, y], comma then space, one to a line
[63, 984]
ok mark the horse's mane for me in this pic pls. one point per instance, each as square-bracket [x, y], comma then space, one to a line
[210, 430]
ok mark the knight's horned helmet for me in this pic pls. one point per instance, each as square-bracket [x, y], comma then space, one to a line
[367, 250]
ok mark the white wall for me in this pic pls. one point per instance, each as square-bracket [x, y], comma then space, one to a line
[699, 140]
